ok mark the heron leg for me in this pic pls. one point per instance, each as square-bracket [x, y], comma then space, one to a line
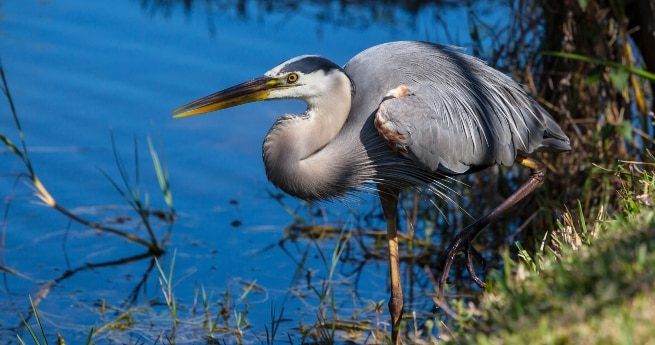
[389, 201]
[462, 242]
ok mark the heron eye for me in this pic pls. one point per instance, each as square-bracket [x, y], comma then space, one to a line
[292, 78]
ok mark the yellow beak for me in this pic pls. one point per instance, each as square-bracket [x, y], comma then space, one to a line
[250, 91]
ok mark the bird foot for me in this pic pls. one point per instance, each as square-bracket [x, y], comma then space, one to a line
[463, 244]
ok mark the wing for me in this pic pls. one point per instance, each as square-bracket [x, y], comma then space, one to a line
[407, 124]
[461, 113]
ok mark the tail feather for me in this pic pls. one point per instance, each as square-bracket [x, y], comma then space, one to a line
[554, 137]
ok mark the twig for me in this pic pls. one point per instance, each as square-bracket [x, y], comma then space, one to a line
[44, 195]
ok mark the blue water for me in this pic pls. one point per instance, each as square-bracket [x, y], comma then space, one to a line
[80, 70]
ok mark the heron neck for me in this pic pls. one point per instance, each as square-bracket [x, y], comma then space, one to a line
[293, 149]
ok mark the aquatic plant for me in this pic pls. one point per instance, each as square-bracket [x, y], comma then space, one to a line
[130, 193]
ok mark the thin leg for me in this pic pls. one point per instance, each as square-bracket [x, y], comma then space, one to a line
[463, 240]
[389, 200]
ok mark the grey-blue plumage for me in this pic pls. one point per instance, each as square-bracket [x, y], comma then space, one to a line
[461, 116]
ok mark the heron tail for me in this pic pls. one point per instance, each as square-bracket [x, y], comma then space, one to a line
[555, 140]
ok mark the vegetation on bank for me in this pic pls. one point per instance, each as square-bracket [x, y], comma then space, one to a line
[589, 283]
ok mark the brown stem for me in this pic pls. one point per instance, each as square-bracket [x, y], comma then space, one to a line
[152, 247]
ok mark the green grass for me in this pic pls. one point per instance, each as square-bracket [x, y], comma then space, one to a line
[38, 335]
[589, 283]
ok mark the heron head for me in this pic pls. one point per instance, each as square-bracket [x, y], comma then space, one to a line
[307, 77]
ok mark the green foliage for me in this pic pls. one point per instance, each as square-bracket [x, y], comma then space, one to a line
[589, 284]
[162, 176]
[621, 70]
[166, 284]
[39, 336]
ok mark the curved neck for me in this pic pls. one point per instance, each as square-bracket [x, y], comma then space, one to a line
[292, 147]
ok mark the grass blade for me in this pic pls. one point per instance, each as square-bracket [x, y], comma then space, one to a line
[38, 320]
[589, 59]
[162, 175]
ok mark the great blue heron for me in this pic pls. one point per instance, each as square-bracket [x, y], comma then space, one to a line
[397, 115]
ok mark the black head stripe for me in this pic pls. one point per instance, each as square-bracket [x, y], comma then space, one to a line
[311, 64]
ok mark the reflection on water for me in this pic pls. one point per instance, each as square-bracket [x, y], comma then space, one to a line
[78, 69]
[379, 11]
[424, 16]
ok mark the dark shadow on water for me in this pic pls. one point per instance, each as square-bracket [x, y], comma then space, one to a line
[131, 298]
[356, 14]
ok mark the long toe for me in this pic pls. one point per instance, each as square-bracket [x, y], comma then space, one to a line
[470, 254]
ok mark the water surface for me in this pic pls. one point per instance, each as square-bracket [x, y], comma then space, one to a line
[79, 70]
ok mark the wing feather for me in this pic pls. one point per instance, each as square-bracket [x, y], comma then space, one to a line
[461, 114]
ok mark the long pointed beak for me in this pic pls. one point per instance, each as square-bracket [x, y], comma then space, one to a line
[250, 91]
